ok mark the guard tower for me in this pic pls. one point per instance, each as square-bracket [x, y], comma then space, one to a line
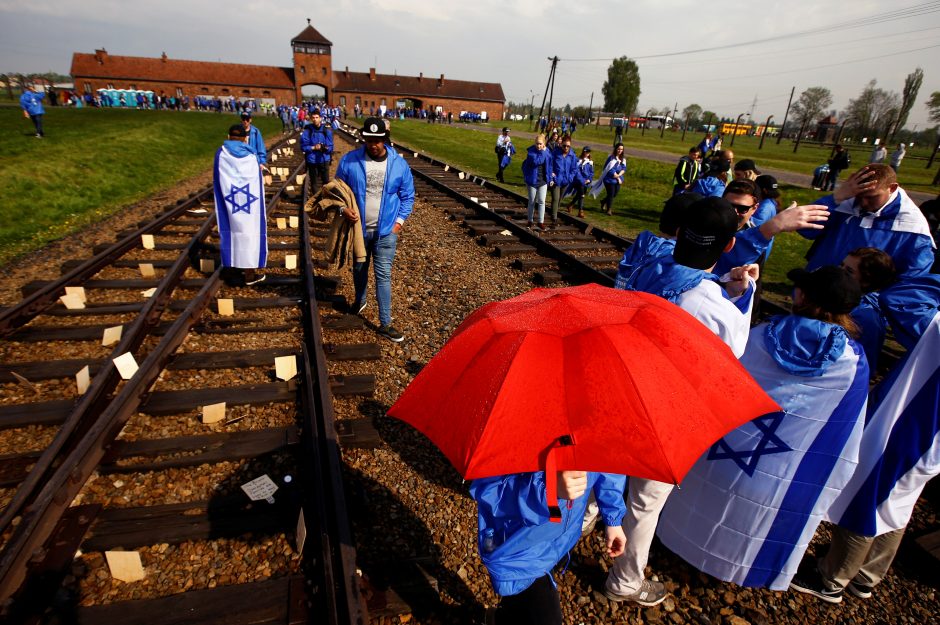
[313, 61]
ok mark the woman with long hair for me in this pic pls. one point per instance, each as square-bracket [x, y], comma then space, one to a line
[537, 172]
[611, 177]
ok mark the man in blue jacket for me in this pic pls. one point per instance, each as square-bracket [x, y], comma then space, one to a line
[255, 140]
[31, 103]
[871, 210]
[316, 141]
[381, 181]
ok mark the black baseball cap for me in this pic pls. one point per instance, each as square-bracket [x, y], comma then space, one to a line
[745, 165]
[719, 166]
[705, 229]
[768, 185]
[237, 130]
[374, 127]
[246, 114]
[830, 287]
[671, 217]
[506, 129]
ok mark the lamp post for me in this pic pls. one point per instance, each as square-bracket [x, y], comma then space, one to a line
[532, 104]
[764, 134]
[734, 133]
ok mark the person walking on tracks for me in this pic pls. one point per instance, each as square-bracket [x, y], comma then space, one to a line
[316, 141]
[255, 140]
[611, 178]
[31, 103]
[537, 172]
[564, 170]
[239, 206]
[384, 188]
[503, 143]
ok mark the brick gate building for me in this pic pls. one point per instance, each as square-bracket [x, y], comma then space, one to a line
[313, 65]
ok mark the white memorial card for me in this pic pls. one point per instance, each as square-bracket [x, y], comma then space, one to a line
[293, 221]
[126, 365]
[111, 335]
[285, 367]
[281, 223]
[213, 413]
[147, 241]
[146, 270]
[226, 307]
[301, 533]
[125, 565]
[290, 261]
[260, 488]
[83, 379]
[72, 302]
[76, 290]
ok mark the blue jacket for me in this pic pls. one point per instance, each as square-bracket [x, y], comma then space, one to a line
[526, 545]
[910, 306]
[708, 186]
[645, 248]
[312, 136]
[534, 159]
[912, 252]
[585, 174]
[565, 167]
[398, 195]
[867, 315]
[749, 245]
[31, 102]
[256, 143]
[617, 168]
[766, 210]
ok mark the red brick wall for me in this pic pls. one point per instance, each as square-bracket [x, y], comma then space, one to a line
[282, 96]
[493, 109]
[313, 69]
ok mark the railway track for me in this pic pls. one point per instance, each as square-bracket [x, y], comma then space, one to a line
[230, 388]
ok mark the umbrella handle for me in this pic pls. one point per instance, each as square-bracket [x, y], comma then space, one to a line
[551, 477]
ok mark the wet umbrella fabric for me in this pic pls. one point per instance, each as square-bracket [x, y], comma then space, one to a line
[637, 384]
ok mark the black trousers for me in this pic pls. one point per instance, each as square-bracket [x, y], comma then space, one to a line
[612, 190]
[319, 175]
[37, 122]
[539, 604]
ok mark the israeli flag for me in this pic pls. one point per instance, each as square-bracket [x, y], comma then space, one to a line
[900, 449]
[239, 207]
[749, 507]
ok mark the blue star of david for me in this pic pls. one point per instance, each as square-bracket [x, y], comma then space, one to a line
[232, 198]
[769, 443]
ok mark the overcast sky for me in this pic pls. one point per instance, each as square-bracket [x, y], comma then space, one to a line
[510, 41]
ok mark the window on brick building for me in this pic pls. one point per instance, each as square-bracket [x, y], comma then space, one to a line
[133, 87]
[246, 92]
[342, 100]
[225, 92]
[265, 92]
[382, 103]
[204, 90]
[87, 87]
[303, 69]
[359, 100]
[179, 92]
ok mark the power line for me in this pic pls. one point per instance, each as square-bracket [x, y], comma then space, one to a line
[879, 18]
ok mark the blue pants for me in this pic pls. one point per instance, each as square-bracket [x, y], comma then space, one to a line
[381, 251]
[537, 197]
[37, 122]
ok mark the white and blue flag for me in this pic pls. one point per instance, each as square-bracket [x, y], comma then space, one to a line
[239, 207]
[749, 507]
[900, 448]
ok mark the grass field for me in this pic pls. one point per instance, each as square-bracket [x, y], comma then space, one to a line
[912, 175]
[637, 207]
[94, 161]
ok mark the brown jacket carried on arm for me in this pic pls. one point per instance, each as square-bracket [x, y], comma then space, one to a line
[344, 239]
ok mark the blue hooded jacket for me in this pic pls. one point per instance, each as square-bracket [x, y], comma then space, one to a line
[256, 143]
[564, 166]
[534, 159]
[873, 325]
[526, 545]
[312, 136]
[708, 187]
[909, 306]
[398, 195]
[645, 248]
[31, 102]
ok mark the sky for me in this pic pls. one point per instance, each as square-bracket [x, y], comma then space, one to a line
[765, 50]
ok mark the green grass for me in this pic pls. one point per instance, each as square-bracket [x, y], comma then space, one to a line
[913, 174]
[637, 207]
[92, 162]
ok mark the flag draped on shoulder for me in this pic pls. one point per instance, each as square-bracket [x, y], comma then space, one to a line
[748, 509]
[239, 207]
[900, 449]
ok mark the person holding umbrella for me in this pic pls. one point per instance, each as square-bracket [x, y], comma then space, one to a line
[520, 546]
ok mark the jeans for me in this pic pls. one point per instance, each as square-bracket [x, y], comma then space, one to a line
[381, 251]
[612, 189]
[537, 196]
[37, 122]
[319, 175]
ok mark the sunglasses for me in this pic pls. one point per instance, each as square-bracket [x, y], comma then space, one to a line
[743, 208]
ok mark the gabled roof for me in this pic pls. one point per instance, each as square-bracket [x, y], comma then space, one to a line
[179, 71]
[311, 35]
[425, 86]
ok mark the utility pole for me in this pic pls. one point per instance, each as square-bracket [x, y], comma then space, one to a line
[549, 84]
[662, 130]
[590, 109]
[764, 134]
[551, 93]
[783, 127]
[734, 133]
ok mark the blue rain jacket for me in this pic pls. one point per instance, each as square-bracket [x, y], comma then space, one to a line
[256, 143]
[645, 248]
[708, 187]
[312, 136]
[31, 102]
[398, 196]
[534, 159]
[565, 167]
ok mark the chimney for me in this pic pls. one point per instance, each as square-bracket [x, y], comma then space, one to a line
[163, 57]
[420, 76]
[101, 55]
[346, 73]
[372, 73]
[440, 83]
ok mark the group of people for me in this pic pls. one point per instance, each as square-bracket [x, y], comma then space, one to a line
[748, 509]
[551, 164]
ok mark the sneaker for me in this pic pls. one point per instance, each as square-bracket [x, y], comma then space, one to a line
[811, 582]
[860, 590]
[363, 307]
[391, 334]
[255, 280]
[650, 593]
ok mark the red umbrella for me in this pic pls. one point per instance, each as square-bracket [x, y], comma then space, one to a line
[606, 380]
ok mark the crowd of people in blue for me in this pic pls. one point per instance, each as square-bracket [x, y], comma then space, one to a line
[854, 444]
